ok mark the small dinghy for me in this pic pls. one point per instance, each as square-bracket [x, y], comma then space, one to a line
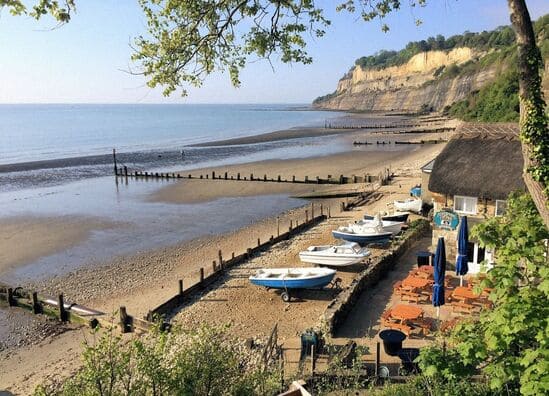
[335, 256]
[393, 227]
[410, 204]
[362, 235]
[293, 278]
[395, 216]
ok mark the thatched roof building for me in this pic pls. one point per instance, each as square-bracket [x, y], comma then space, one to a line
[481, 160]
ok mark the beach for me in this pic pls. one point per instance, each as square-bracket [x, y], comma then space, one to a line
[143, 280]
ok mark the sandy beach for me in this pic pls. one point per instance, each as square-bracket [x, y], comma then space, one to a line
[144, 280]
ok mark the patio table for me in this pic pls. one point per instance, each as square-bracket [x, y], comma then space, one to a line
[412, 281]
[406, 312]
[465, 293]
[425, 271]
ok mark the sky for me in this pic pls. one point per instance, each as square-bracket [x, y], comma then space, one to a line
[86, 60]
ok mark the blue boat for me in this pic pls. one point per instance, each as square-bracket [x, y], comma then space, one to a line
[293, 278]
[362, 238]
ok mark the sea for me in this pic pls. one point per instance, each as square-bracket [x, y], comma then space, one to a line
[56, 160]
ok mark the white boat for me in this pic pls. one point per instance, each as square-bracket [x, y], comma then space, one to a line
[335, 256]
[393, 227]
[391, 216]
[410, 204]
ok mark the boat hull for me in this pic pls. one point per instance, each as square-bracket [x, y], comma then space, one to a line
[396, 217]
[315, 283]
[413, 205]
[330, 260]
[362, 239]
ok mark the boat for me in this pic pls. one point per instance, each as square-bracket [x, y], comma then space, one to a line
[395, 216]
[336, 256]
[293, 278]
[393, 227]
[363, 236]
[410, 204]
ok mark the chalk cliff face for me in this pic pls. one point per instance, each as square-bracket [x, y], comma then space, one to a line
[408, 87]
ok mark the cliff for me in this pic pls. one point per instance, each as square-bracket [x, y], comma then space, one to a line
[425, 81]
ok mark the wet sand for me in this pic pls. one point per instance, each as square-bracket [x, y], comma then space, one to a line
[25, 239]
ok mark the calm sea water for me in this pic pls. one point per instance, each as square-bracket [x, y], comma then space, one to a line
[40, 132]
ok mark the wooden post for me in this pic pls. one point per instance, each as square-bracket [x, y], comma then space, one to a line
[264, 178]
[238, 176]
[214, 266]
[377, 360]
[201, 274]
[306, 179]
[340, 179]
[11, 300]
[220, 257]
[251, 176]
[317, 180]
[312, 211]
[277, 226]
[249, 252]
[61, 307]
[329, 212]
[126, 171]
[290, 225]
[180, 286]
[114, 161]
[213, 175]
[225, 175]
[36, 306]
[124, 320]
[306, 215]
[293, 178]
[232, 256]
[342, 207]
[321, 210]
[258, 242]
[312, 360]
[278, 179]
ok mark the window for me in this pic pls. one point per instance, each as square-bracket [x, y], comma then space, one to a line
[466, 205]
[501, 207]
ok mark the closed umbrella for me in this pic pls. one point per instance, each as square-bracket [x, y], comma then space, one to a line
[463, 238]
[439, 272]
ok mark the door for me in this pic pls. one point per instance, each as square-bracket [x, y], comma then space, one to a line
[475, 257]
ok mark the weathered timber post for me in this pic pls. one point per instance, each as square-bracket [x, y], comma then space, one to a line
[354, 178]
[11, 300]
[290, 225]
[264, 178]
[213, 174]
[201, 274]
[251, 176]
[238, 176]
[36, 306]
[329, 212]
[317, 180]
[340, 179]
[225, 175]
[180, 286]
[312, 211]
[63, 316]
[201, 176]
[207, 175]
[306, 179]
[114, 161]
[306, 216]
[258, 242]
[220, 257]
[190, 176]
[376, 372]
[277, 226]
[214, 266]
[293, 178]
[278, 179]
[321, 210]
[249, 253]
[232, 256]
[126, 171]
[125, 321]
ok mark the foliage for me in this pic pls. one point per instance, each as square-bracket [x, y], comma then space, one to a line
[60, 10]
[509, 343]
[207, 361]
[496, 101]
[425, 385]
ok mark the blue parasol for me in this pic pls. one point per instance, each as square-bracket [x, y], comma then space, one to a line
[463, 238]
[439, 272]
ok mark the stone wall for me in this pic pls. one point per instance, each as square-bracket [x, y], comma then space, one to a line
[339, 308]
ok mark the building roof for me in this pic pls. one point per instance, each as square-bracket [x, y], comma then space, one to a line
[481, 160]
[428, 167]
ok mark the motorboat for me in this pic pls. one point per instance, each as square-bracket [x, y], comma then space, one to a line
[293, 278]
[393, 227]
[335, 255]
[395, 216]
[362, 235]
[410, 204]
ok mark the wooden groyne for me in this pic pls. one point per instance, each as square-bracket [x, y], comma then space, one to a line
[411, 131]
[329, 125]
[383, 142]
[341, 179]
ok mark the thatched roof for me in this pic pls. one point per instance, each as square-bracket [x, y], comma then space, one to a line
[482, 160]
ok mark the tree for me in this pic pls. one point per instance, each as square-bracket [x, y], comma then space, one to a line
[510, 342]
[61, 11]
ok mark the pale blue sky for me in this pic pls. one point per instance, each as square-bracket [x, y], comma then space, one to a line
[81, 62]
